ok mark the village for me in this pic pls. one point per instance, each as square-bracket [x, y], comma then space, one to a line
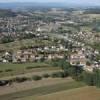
[75, 53]
[36, 27]
[49, 50]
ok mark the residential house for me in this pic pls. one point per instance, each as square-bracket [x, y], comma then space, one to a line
[78, 58]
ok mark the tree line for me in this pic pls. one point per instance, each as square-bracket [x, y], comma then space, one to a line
[77, 73]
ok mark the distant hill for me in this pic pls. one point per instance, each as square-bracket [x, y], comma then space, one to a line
[24, 5]
[92, 11]
[7, 13]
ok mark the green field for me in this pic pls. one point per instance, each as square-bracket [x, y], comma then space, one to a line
[44, 90]
[17, 66]
[9, 69]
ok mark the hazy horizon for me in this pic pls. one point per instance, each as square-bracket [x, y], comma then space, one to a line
[80, 3]
[90, 2]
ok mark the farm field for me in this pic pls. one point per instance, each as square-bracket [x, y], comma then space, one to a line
[83, 93]
[46, 87]
[10, 69]
[4, 66]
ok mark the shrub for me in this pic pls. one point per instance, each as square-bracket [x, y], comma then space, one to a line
[36, 77]
[61, 74]
[66, 74]
[20, 79]
[8, 70]
[46, 75]
[1, 71]
[54, 75]
[57, 74]
[30, 67]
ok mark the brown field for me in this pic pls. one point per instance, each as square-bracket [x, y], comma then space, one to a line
[84, 93]
[26, 90]
[17, 87]
[47, 88]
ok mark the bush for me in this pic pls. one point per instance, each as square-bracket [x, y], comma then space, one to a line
[36, 77]
[8, 70]
[1, 71]
[46, 75]
[30, 67]
[54, 75]
[66, 74]
[58, 74]
[20, 79]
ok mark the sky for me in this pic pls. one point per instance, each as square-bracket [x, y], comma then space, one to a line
[63, 1]
[33, 0]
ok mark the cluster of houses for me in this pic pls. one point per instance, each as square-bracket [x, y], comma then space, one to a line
[87, 37]
[85, 57]
[82, 56]
[35, 53]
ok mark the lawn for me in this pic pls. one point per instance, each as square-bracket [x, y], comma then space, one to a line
[44, 90]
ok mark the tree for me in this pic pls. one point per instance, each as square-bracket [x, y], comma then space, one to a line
[7, 39]
[97, 77]
[88, 63]
[73, 71]
[88, 78]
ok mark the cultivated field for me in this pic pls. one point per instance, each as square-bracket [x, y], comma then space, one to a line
[83, 93]
[45, 89]
[9, 69]
[38, 88]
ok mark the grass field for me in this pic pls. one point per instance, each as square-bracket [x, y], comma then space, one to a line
[9, 69]
[12, 66]
[43, 90]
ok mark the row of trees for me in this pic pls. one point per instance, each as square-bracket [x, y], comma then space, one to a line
[92, 79]
[7, 39]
